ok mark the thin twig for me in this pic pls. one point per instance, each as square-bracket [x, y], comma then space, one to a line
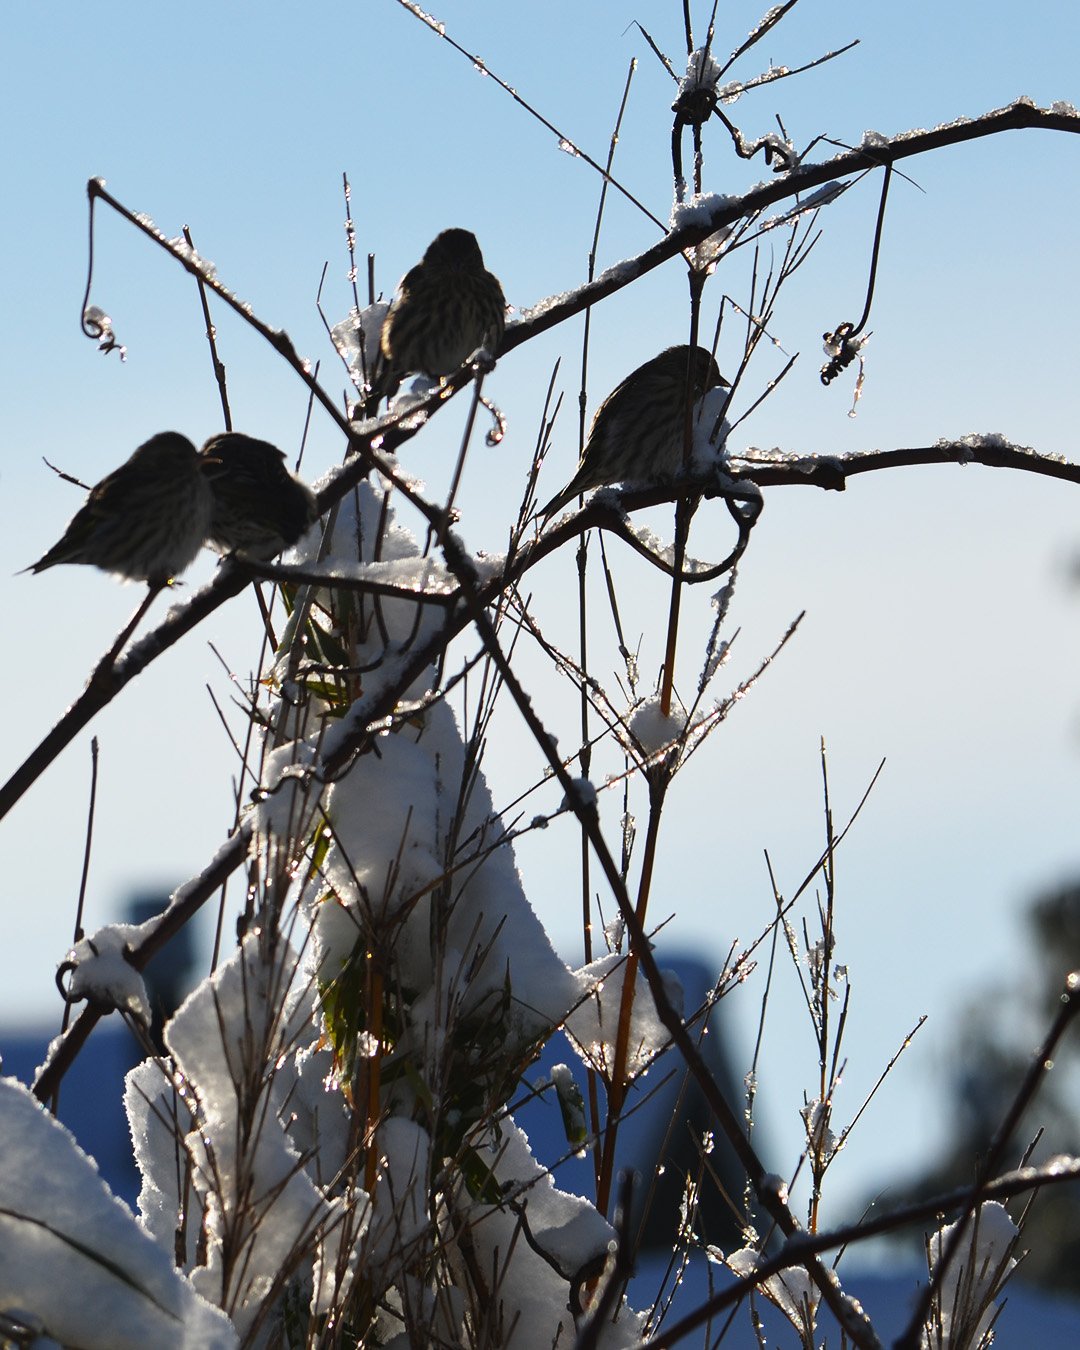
[77, 934]
[211, 337]
[564, 142]
[1059, 1171]
[886, 150]
[1041, 1063]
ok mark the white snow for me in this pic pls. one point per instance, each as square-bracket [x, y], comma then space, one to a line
[651, 540]
[422, 576]
[103, 975]
[702, 72]
[653, 730]
[699, 210]
[286, 801]
[620, 272]
[399, 1217]
[356, 338]
[157, 1116]
[203, 266]
[594, 1024]
[709, 449]
[583, 795]
[819, 1136]
[790, 1290]
[575, 1237]
[976, 1273]
[232, 1041]
[74, 1257]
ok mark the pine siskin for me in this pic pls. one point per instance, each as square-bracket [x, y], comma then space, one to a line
[444, 308]
[638, 430]
[146, 520]
[259, 507]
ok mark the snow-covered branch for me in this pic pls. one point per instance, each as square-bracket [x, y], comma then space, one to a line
[874, 152]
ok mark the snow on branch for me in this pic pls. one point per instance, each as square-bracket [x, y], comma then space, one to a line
[874, 152]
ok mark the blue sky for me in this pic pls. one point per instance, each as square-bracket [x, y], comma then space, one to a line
[941, 633]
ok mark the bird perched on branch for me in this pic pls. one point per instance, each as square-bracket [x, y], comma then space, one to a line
[638, 430]
[444, 308]
[257, 506]
[146, 520]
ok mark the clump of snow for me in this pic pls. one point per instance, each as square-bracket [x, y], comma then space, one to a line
[964, 1306]
[791, 1290]
[701, 209]
[158, 1114]
[103, 975]
[287, 797]
[711, 430]
[399, 1217]
[231, 1040]
[986, 440]
[73, 1257]
[191, 255]
[489, 567]
[819, 1136]
[391, 813]
[573, 1238]
[541, 308]
[411, 394]
[621, 272]
[382, 814]
[356, 339]
[614, 932]
[702, 72]
[582, 795]
[594, 1023]
[966, 449]
[651, 728]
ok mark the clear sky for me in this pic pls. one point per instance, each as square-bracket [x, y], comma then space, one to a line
[941, 631]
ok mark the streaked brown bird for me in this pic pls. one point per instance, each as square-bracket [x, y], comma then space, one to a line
[444, 308]
[637, 432]
[258, 506]
[146, 520]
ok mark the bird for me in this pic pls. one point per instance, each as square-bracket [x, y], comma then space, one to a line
[638, 430]
[444, 308]
[145, 521]
[257, 506]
